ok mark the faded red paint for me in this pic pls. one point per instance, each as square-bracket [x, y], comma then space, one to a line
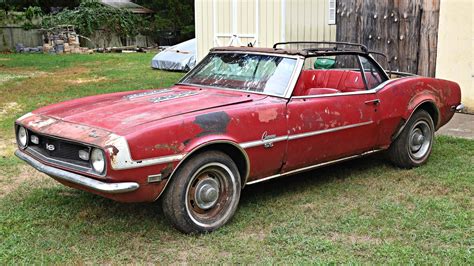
[180, 126]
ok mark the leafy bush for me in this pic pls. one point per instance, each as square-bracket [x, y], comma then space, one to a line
[28, 19]
[91, 16]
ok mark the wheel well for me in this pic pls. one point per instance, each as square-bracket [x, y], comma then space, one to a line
[234, 152]
[431, 109]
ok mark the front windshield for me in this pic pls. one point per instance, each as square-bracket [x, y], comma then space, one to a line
[251, 72]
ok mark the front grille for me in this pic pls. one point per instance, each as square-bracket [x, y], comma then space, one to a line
[59, 151]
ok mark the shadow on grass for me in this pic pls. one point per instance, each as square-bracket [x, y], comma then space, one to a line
[306, 180]
[90, 208]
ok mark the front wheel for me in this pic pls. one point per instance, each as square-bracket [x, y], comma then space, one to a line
[203, 194]
[413, 147]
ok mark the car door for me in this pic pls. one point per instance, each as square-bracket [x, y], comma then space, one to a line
[325, 126]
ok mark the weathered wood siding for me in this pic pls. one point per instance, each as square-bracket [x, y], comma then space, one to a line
[12, 35]
[260, 22]
[405, 30]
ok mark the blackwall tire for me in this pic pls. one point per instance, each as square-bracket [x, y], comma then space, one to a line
[203, 194]
[413, 146]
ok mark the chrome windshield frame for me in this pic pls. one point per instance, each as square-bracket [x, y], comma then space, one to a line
[288, 90]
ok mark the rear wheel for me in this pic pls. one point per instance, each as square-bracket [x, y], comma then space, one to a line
[203, 194]
[413, 146]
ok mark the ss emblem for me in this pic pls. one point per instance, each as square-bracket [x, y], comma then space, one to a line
[50, 147]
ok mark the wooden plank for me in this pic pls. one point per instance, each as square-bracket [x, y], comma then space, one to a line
[405, 30]
[428, 38]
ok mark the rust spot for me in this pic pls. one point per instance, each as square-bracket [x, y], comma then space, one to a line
[186, 142]
[113, 151]
[172, 147]
[212, 123]
[267, 115]
[166, 172]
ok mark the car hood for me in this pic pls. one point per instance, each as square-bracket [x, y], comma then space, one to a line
[121, 111]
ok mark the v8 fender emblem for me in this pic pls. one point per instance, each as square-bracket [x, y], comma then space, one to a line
[50, 147]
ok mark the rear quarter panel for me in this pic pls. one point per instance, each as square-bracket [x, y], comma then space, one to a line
[401, 97]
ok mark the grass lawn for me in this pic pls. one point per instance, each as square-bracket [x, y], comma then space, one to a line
[362, 211]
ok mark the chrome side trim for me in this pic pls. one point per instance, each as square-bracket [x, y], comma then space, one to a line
[255, 143]
[251, 144]
[372, 91]
[123, 159]
[329, 130]
[111, 188]
[307, 168]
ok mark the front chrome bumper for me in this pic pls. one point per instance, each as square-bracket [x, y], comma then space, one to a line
[111, 188]
[458, 108]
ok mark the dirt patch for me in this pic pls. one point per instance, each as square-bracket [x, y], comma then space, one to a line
[5, 59]
[87, 80]
[7, 147]
[252, 233]
[13, 73]
[9, 107]
[27, 173]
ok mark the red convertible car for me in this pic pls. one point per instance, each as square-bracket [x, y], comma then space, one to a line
[242, 116]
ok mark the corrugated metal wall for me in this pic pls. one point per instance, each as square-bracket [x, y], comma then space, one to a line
[260, 22]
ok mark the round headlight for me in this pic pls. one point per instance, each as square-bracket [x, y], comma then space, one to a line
[98, 160]
[22, 137]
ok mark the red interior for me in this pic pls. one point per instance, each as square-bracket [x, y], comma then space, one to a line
[312, 82]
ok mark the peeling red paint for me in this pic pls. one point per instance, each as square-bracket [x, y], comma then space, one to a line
[267, 115]
[179, 126]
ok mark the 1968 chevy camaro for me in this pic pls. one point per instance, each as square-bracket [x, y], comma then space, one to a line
[242, 116]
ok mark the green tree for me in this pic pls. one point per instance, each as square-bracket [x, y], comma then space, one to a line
[171, 16]
[91, 16]
[45, 5]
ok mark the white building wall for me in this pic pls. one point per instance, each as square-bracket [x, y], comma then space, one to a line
[260, 22]
[455, 59]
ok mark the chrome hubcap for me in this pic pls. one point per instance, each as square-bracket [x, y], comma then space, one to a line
[207, 193]
[417, 139]
[420, 140]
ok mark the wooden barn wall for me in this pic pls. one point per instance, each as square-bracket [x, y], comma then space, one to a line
[405, 30]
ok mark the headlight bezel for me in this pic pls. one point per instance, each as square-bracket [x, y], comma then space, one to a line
[18, 137]
[100, 165]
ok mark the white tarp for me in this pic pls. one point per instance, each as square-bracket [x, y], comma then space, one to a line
[181, 57]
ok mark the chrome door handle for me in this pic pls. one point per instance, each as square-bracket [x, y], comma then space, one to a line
[374, 102]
